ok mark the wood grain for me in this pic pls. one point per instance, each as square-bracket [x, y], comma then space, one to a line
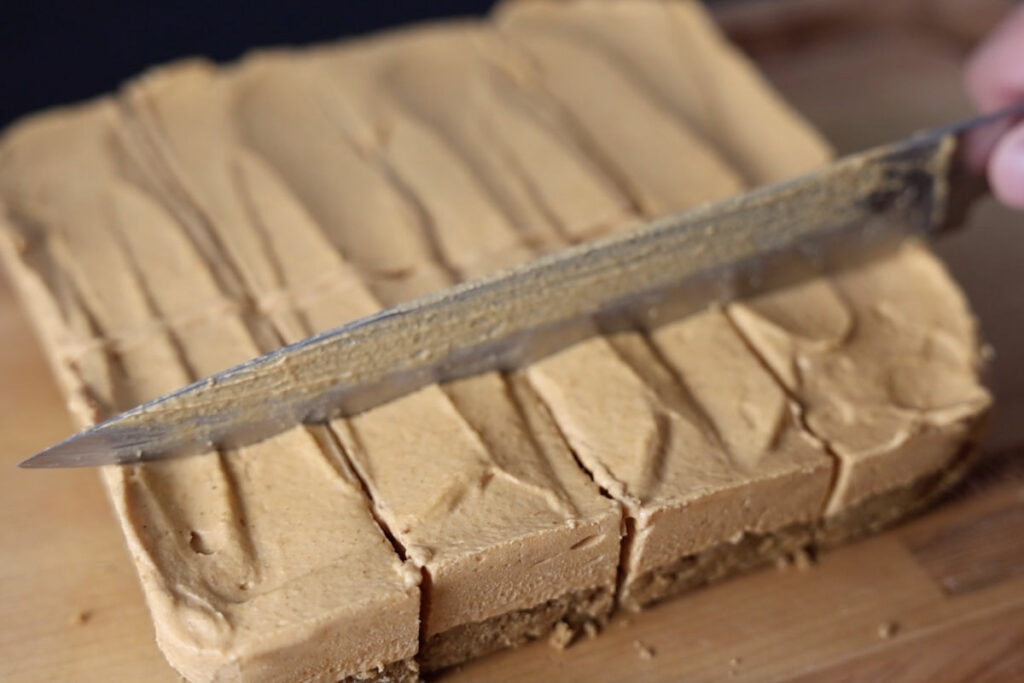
[72, 610]
[974, 551]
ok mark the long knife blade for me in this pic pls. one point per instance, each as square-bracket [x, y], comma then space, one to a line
[666, 269]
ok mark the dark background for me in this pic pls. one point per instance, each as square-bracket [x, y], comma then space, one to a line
[56, 51]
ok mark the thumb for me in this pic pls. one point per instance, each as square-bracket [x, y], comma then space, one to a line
[1006, 168]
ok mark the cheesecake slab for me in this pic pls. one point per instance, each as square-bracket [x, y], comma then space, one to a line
[207, 214]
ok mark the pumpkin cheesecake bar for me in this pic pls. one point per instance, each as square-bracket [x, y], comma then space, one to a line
[205, 215]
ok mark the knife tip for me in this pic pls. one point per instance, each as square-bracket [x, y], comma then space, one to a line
[54, 459]
[49, 459]
[87, 449]
[36, 462]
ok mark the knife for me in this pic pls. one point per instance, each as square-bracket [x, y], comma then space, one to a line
[848, 211]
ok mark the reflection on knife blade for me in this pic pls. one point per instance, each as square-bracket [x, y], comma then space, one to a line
[659, 272]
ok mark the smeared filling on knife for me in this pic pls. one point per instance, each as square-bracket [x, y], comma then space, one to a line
[206, 215]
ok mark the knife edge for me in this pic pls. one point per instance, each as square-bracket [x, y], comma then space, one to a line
[659, 272]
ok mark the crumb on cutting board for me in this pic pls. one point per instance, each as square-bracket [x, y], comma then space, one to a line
[734, 666]
[643, 650]
[80, 618]
[888, 629]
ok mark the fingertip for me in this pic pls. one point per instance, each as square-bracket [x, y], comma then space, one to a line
[992, 75]
[1006, 169]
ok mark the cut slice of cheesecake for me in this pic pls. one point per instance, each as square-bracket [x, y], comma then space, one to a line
[208, 214]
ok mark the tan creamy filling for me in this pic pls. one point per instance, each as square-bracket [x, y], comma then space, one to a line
[211, 215]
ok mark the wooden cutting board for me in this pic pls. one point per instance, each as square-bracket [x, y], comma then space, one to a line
[939, 598]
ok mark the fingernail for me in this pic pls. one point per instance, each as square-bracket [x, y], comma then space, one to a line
[1006, 168]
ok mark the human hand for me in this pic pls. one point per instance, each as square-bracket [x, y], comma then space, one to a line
[995, 79]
